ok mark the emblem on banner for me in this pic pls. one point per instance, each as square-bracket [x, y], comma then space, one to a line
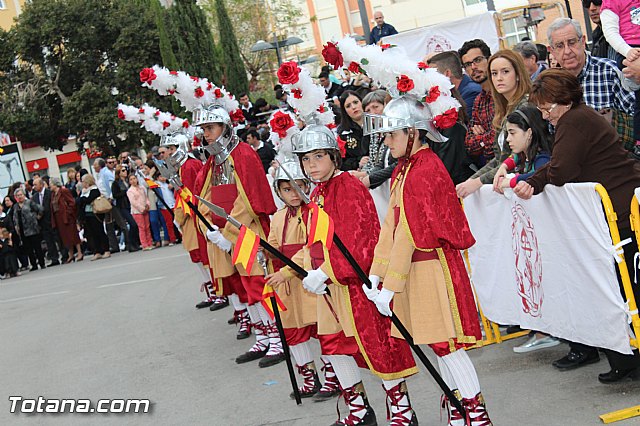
[528, 262]
[438, 44]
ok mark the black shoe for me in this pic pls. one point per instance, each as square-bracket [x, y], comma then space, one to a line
[243, 334]
[325, 395]
[270, 360]
[204, 304]
[576, 359]
[250, 356]
[54, 263]
[134, 250]
[233, 320]
[615, 376]
[219, 303]
[369, 419]
[34, 268]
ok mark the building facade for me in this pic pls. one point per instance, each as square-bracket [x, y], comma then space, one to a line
[9, 10]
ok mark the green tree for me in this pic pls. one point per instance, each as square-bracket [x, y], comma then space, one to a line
[254, 21]
[235, 75]
[71, 77]
[192, 40]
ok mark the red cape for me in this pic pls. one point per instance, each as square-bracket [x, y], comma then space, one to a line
[436, 220]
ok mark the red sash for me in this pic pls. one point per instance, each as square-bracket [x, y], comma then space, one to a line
[223, 196]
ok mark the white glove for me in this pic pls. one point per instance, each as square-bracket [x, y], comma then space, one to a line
[383, 300]
[373, 291]
[218, 239]
[314, 281]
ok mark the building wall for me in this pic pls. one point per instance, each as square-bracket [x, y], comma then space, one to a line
[9, 9]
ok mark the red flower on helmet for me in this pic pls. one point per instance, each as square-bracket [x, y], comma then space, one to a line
[332, 55]
[171, 91]
[173, 72]
[321, 109]
[405, 84]
[297, 93]
[141, 110]
[218, 93]
[280, 123]
[354, 67]
[446, 119]
[434, 93]
[147, 75]
[237, 116]
[121, 114]
[385, 46]
[157, 113]
[194, 78]
[165, 124]
[209, 86]
[185, 124]
[199, 92]
[422, 66]
[289, 73]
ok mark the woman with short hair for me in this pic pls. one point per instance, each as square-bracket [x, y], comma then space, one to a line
[586, 149]
[64, 218]
[26, 215]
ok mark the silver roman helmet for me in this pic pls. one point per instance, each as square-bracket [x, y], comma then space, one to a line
[292, 165]
[183, 147]
[312, 137]
[227, 141]
[403, 113]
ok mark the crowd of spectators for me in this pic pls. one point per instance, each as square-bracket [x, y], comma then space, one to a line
[123, 206]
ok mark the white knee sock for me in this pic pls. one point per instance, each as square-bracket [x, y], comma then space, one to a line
[204, 271]
[237, 304]
[264, 315]
[254, 314]
[446, 374]
[346, 370]
[302, 353]
[463, 373]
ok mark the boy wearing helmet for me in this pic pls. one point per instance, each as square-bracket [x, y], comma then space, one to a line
[418, 258]
[234, 179]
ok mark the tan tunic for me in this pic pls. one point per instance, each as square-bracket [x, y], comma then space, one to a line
[301, 305]
[421, 301]
[187, 228]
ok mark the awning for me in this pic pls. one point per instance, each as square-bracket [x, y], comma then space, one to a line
[69, 157]
[35, 165]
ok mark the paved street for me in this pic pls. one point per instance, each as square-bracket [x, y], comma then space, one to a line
[126, 327]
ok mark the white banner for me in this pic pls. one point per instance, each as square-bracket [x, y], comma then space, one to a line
[447, 36]
[547, 264]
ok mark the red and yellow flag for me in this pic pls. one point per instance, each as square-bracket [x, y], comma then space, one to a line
[246, 248]
[321, 227]
[151, 183]
[267, 292]
[184, 195]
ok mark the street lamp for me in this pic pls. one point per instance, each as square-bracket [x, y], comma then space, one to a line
[262, 45]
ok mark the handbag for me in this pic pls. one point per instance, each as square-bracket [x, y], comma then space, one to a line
[101, 205]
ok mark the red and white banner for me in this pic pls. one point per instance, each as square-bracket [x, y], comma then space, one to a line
[447, 36]
[547, 264]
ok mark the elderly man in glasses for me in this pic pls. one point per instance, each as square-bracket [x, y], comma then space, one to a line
[600, 77]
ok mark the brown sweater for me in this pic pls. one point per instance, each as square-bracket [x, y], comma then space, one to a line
[587, 149]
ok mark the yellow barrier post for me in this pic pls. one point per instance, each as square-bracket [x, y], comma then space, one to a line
[626, 413]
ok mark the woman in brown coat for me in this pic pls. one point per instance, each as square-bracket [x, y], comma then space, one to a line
[63, 218]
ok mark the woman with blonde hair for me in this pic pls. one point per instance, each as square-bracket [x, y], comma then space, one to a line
[93, 226]
[510, 87]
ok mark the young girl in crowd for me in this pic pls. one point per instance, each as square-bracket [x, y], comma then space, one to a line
[140, 210]
[510, 87]
[530, 142]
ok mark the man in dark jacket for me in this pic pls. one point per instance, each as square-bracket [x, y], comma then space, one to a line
[382, 29]
[42, 195]
[332, 90]
[264, 149]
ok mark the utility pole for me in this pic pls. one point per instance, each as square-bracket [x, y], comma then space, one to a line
[364, 19]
